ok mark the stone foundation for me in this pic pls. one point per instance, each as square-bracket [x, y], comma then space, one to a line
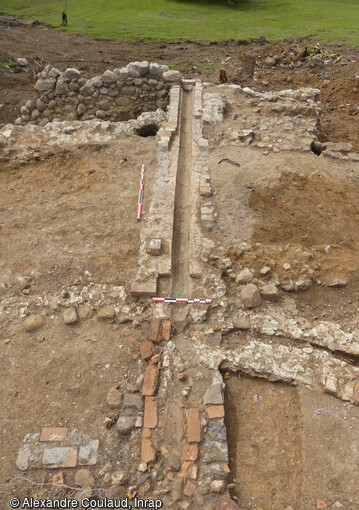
[115, 95]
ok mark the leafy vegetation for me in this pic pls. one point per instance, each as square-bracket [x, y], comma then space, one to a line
[205, 20]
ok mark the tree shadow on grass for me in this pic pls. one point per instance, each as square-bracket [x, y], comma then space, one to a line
[236, 5]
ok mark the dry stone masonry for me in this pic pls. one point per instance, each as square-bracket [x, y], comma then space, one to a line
[115, 95]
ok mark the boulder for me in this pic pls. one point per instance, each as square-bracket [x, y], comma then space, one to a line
[172, 76]
[72, 74]
[270, 293]
[245, 276]
[33, 323]
[45, 84]
[250, 296]
[109, 77]
[22, 62]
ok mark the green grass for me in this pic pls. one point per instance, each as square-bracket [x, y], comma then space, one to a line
[203, 20]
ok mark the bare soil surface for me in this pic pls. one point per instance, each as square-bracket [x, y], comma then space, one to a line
[68, 231]
[287, 446]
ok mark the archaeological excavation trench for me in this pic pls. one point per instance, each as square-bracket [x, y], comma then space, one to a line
[252, 398]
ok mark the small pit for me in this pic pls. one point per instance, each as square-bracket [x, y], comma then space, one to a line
[147, 130]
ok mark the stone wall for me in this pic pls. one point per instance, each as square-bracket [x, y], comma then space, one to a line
[115, 95]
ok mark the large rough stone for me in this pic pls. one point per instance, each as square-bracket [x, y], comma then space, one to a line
[44, 84]
[84, 478]
[172, 76]
[245, 276]
[61, 87]
[70, 316]
[85, 312]
[154, 247]
[30, 104]
[35, 114]
[74, 86]
[107, 313]
[155, 69]
[125, 425]
[250, 296]
[128, 91]
[53, 73]
[22, 461]
[217, 430]
[335, 281]
[270, 293]
[109, 77]
[33, 323]
[22, 62]
[218, 486]
[2, 142]
[214, 471]
[142, 67]
[114, 398]
[88, 454]
[60, 457]
[174, 462]
[242, 323]
[132, 401]
[214, 394]
[215, 451]
[72, 73]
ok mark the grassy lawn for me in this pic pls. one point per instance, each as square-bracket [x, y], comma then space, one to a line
[204, 20]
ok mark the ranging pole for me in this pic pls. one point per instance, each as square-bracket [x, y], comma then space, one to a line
[140, 193]
[201, 301]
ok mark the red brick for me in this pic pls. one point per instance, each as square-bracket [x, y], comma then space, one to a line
[146, 433]
[189, 489]
[147, 350]
[150, 381]
[150, 416]
[215, 412]
[194, 426]
[166, 330]
[53, 433]
[155, 333]
[190, 452]
[146, 289]
[148, 454]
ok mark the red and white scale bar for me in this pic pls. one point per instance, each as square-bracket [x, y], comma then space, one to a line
[201, 301]
[140, 193]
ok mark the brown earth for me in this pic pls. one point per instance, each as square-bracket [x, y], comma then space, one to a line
[286, 446]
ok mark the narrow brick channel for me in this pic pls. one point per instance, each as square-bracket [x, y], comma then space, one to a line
[182, 210]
